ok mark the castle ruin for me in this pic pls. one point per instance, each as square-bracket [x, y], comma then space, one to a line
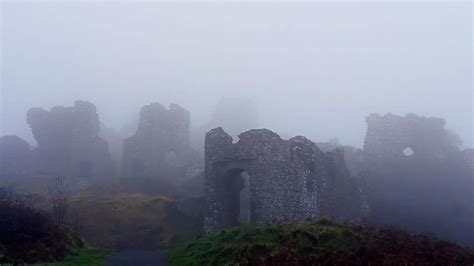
[160, 147]
[15, 157]
[285, 181]
[413, 164]
[69, 143]
[392, 137]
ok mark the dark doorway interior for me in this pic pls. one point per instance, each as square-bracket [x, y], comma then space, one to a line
[235, 198]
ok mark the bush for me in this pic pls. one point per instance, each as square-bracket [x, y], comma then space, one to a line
[28, 235]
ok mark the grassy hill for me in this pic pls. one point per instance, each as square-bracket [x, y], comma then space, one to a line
[316, 243]
[133, 221]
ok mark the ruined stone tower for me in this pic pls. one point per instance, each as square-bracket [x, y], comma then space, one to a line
[424, 184]
[287, 180]
[392, 137]
[69, 143]
[15, 157]
[160, 147]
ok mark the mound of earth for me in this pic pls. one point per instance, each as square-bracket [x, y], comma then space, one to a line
[319, 243]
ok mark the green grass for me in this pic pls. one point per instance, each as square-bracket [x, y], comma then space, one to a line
[85, 257]
[235, 245]
[318, 243]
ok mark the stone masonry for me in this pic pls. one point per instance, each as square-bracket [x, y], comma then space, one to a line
[69, 143]
[160, 147]
[289, 180]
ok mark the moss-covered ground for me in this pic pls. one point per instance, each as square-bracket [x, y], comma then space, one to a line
[318, 243]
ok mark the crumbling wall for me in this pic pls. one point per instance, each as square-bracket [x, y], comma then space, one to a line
[390, 135]
[69, 143]
[431, 188]
[15, 157]
[160, 147]
[354, 158]
[468, 155]
[290, 180]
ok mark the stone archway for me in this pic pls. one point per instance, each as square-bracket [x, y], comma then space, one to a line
[234, 197]
[284, 187]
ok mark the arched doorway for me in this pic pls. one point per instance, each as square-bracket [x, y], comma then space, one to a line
[235, 198]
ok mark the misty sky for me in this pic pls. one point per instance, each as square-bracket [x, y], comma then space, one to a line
[315, 69]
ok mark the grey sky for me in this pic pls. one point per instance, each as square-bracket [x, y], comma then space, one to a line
[315, 69]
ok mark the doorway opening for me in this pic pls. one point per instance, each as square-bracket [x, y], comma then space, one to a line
[235, 197]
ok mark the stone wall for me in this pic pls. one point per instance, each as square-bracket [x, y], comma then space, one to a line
[69, 143]
[15, 157]
[160, 147]
[431, 189]
[290, 180]
[468, 155]
[390, 135]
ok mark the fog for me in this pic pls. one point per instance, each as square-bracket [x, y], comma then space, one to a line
[315, 69]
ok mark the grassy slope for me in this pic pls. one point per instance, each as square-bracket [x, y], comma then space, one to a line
[133, 220]
[230, 246]
[319, 242]
[85, 257]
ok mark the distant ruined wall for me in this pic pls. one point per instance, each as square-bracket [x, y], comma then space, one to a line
[236, 115]
[160, 147]
[389, 135]
[431, 188]
[353, 157]
[468, 155]
[15, 157]
[289, 180]
[68, 142]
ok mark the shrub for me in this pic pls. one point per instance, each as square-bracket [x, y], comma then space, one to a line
[28, 235]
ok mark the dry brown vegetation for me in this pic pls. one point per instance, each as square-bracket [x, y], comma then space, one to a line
[133, 221]
[28, 235]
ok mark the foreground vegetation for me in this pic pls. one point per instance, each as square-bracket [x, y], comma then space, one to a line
[122, 221]
[33, 236]
[321, 242]
[84, 257]
[28, 235]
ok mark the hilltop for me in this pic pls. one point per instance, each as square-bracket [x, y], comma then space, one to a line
[319, 242]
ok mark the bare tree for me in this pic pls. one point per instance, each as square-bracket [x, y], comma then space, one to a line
[59, 199]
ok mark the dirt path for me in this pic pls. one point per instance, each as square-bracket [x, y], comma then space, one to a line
[131, 257]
